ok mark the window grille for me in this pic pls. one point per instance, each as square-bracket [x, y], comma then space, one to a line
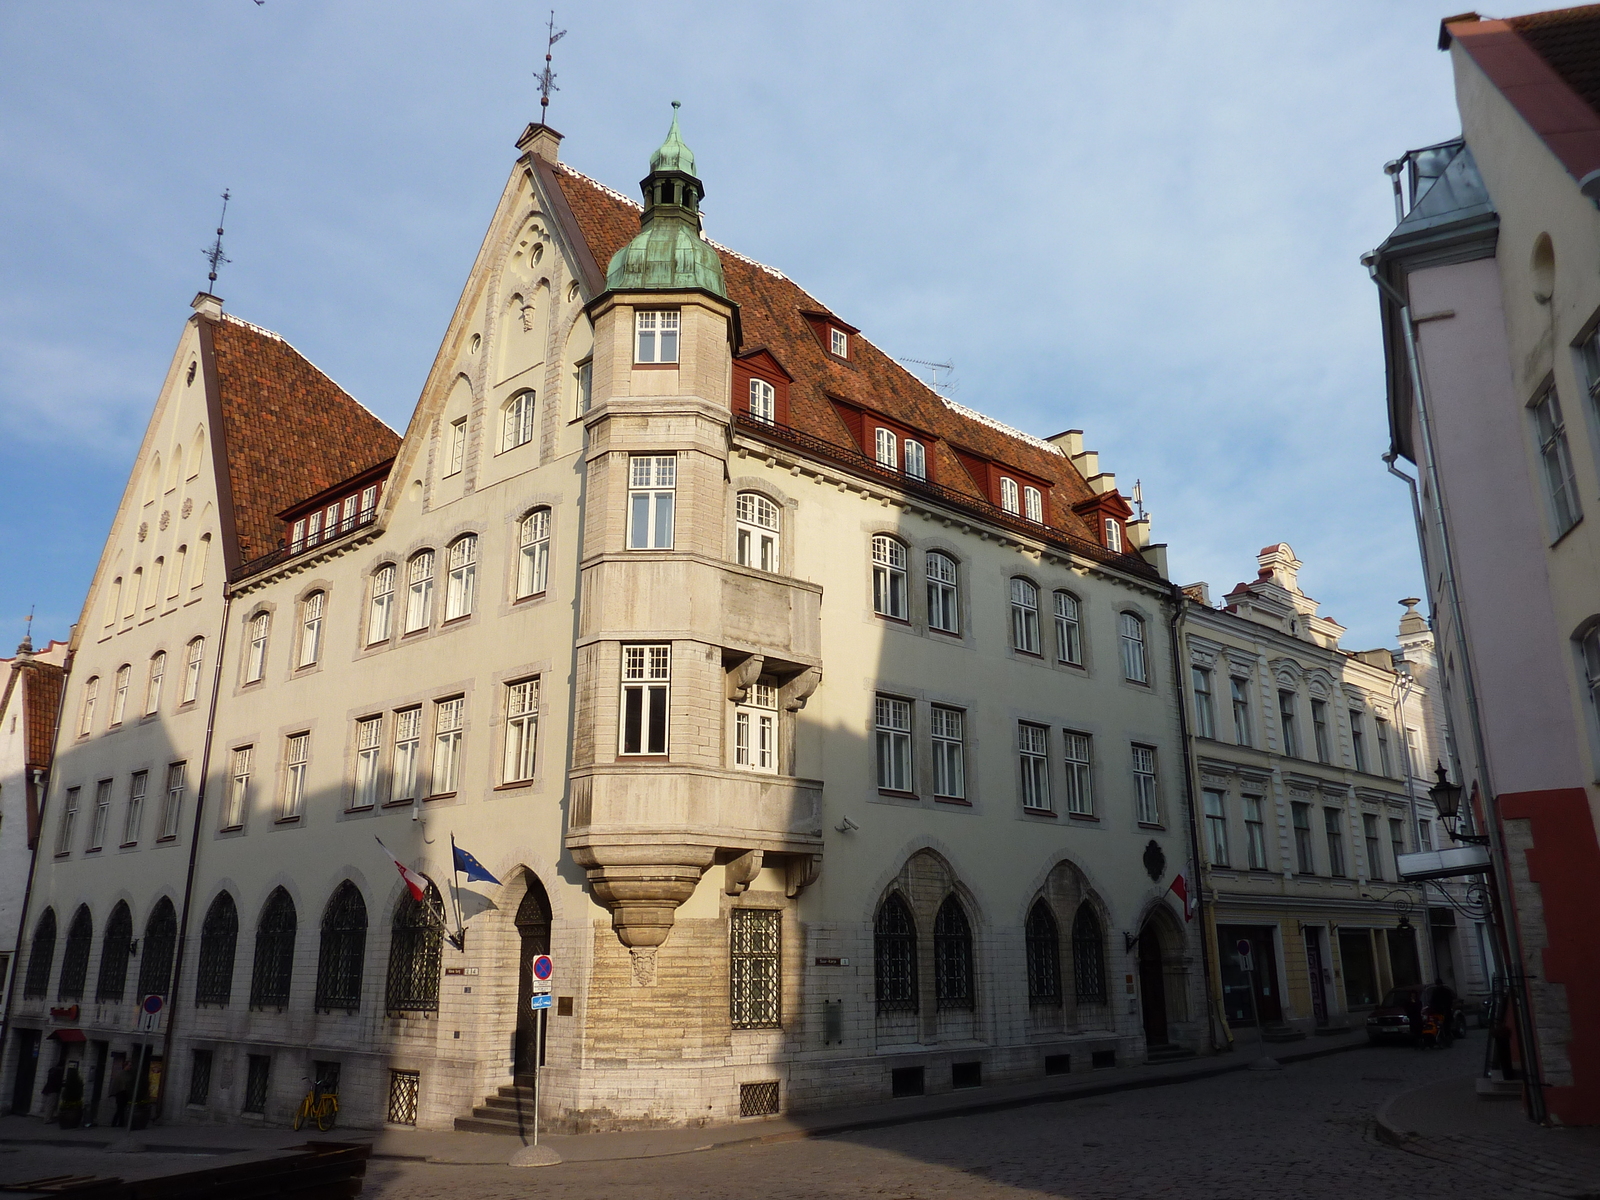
[754, 968]
[41, 957]
[342, 951]
[199, 1077]
[1088, 957]
[949, 765]
[219, 940]
[403, 1089]
[952, 956]
[1069, 635]
[75, 956]
[533, 561]
[522, 729]
[762, 401]
[380, 615]
[255, 1085]
[1044, 957]
[274, 957]
[415, 952]
[407, 740]
[419, 591]
[944, 596]
[462, 583]
[1133, 657]
[758, 1099]
[894, 954]
[518, 429]
[652, 484]
[447, 720]
[156, 950]
[889, 577]
[893, 718]
[1024, 616]
[113, 955]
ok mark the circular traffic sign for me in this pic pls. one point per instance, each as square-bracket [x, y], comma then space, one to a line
[152, 1004]
[1243, 947]
[543, 967]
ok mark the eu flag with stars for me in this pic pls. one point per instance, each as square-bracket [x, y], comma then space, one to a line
[471, 867]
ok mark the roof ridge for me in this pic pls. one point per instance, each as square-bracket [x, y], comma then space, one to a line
[278, 337]
[986, 419]
[590, 179]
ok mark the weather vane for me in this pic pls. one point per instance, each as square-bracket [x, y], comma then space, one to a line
[214, 255]
[547, 77]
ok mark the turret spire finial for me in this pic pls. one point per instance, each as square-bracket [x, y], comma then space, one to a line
[215, 255]
[547, 77]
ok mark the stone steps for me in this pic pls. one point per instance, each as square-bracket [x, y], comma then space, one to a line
[509, 1111]
[1169, 1052]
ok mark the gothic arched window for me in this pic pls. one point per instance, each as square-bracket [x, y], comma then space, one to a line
[41, 957]
[343, 949]
[894, 952]
[1088, 956]
[1044, 956]
[155, 954]
[274, 958]
[415, 949]
[952, 956]
[219, 938]
[114, 955]
[75, 958]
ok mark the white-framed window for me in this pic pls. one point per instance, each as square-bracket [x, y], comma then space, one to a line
[756, 527]
[1008, 495]
[1024, 616]
[1080, 783]
[1333, 826]
[763, 401]
[1069, 633]
[69, 821]
[1033, 753]
[462, 582]
[119, 693]
[419, 591]
[102, 814]
[448, 717]
[1589, 648]
[380, 610]
[311, 628]
[191, 670]
[652, 492]
[755, 729]
[1560, 484]
[522, 729]
[172, 806]
[516, 428]
[255, 659]
[1358, 739]
[839, 342]
[916, 459]
[1146, 805]
[238, 787]
[944, 595]
[889, 577]
[369, 747]
[1216, 805]
[655, 336]
[297, 534]
[369, 503]
[1319, 730]
[1385, 760]
[1240, 690]
[158, 674]
[533, 553]
[296, 761]
[1205, 713]
[886, 448]
[893, 720]
[407, 750]
[948, 727]
[1287, 724]
[646, 698]
[458, 450]
[1033, 504]
[1134, 667]
[1255, 833]
[583, 384]
[91, 697]
[348, 521]
[1113, 529]
[134, 817]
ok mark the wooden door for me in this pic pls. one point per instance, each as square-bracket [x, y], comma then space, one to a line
[1319, 994]
[533, 926]
[1152, 988]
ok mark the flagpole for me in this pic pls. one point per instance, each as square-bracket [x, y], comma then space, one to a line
[455, 895]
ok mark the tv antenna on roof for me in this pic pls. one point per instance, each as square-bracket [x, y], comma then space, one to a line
[949, 384]
[215, 255]
[547, 77]
[1138, 500]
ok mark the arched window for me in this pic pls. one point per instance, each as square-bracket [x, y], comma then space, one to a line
[533, 553]
[114, 601]
[952, 955]
[894, 957]
[200, 556]
[1024, 616]
[311, 627]
[343, 949]
[944, 597]
[152, 691]
[179, 562]
[517, 426]
[419, 594]
[756, 533]
[255, 664]
[274, 957]
[75, 957]
[380, 613]
[219, 938]
[1044, 957]
[415, 949]
[135, 592]
[1590, 649]
[157, 948]
[119, 694]
[763, 401]
[91, 697]
[1134, 667]
[463, 577]
[1069, 636]
[157, 570]
[114, 955]
[41, 957]
[1008, 494]
[888, 577]
[1088, 957]
[1033, 504]
[191, 670]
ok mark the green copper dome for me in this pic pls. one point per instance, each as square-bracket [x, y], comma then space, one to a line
[669, 253]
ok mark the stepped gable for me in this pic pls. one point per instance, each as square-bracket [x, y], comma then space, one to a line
[289, 431]
[770, 315]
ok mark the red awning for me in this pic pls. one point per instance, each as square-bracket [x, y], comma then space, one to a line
[67, 1035]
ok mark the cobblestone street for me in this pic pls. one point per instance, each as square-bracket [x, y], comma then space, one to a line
[1303, 1131]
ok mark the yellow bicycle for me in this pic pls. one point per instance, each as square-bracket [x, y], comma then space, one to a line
[319, 1106]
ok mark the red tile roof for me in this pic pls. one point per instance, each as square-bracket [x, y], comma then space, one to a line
[1569, 40]
[288, 430]
[40, 697]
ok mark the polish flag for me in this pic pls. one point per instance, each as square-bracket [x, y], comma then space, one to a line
[1179, 888]
[417, 884]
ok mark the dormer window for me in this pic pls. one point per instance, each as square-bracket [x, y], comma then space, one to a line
[839, 342]
[1113, 535]
[1008, 495]
[656, 337]
[1033, 504]
[916, 460]
[763, 401]
[887, 449]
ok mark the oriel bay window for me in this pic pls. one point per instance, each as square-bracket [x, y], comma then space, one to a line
[756, 531]
[893, 736]
[652, 484]
[656, 336]
[755, 729]
[754, 968]
[646, 696]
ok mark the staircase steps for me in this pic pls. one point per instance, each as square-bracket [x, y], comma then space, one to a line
[1167, 1052]
[509, 1111]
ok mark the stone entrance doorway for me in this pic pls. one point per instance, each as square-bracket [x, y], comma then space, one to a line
[533, 929]
[1152, 986]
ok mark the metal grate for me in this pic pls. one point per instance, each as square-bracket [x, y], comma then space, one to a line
[41, 957]
[75, 958]
[952, 956]
[155, 956]
[754, 971]
[758, 1099]
[219, 938]
[1088, 957]
[403, 1089]
[415, 951]
[200, 1077]
[894, 952]
[344, 946]
[274, 958]
[114, 954]
[325, 1077]
[255, 1084]
[1044, 957]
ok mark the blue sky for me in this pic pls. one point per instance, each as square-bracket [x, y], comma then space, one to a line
[1139, 220]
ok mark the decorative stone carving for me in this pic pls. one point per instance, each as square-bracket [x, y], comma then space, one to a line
[741, 872]
[166, 518]
[1155, 860]
[742, 677]
[643, 884]
[644, 965]
[800, 872]
[188, 507]
[801, 689]
[144, 530]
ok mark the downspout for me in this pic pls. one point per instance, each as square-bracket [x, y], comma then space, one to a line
[1499, 856]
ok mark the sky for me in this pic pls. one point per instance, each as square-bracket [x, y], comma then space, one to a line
[1140, 220]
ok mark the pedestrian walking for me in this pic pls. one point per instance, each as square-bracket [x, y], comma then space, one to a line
[121, 1093]
[51, 1091]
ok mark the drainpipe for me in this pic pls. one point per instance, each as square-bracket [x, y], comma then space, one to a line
[1499, 856]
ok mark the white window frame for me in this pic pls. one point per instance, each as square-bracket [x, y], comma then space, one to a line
[1561, 485]
[838, 342]
[449, 723]
[138, 787]
[1589, 663]
[886, 448]
[516, 426]
[192, 668]
[152, 690]
[916, 459]
[652, 501]
[1078, 757]
[407, 754]
[1135, 664]
[1033, 504]
[119, 694]
[458, 450]
[1069, 629]
[533, 553]
[91, 698]
[947, 729]
[892, 735]
[757, 523]
[255, 664]
[241, 761]
[172, 804]
[1033, 758]
[889, 578]
[461, 584]
[583, 382]
[755, 729]
[380, 608]
[646, 701]
[296, 764]
[522, 730]
[1319, 730]
[369, 770]
[419, 591]
[1146, 786]
[102, 815]
[69, 822]
[311, 610]
[1113, 529]
[944, 592]
[1205, 711]
[1008, 495]
[1239, 694]
[656, 335]
[1289, 722]
[1216, 815]
[1024, 615]
[763, 401]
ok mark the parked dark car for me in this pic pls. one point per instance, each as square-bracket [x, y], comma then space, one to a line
[1393, 1019]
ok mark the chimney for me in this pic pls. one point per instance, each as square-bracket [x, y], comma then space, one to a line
[541, 140]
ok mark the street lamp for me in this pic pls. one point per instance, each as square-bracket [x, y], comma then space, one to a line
[1446, 797]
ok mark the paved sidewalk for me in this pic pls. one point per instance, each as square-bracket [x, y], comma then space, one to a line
[1492, 1138]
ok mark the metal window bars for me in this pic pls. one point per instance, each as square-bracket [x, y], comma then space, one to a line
[342, 950]
[219, 939]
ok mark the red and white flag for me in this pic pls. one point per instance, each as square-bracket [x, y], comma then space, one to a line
[1180, 888]
[417, 884]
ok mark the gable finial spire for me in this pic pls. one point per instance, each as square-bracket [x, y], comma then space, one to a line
[547, 77]
[215, 255]
[26, 645]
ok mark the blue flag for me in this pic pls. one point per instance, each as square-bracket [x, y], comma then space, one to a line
[471, 867]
